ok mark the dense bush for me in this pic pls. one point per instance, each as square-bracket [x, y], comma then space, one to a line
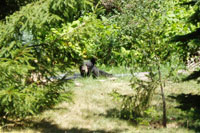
[31, 54]
[19, 95]
[119, 44]
[149, 29]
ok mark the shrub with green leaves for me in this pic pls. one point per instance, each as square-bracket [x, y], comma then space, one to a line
[151, 50]
[120, 46]
[135, 105]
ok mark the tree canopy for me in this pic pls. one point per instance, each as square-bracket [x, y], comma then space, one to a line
[190, 41]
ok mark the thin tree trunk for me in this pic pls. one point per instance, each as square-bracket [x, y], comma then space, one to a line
[163, 98]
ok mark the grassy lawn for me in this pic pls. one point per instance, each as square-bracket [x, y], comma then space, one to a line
[94, 110]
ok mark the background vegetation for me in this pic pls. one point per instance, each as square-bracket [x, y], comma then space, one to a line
[40, 39]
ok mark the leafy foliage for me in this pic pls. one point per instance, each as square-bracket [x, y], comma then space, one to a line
[90, 36]
[189, 41]
[151, 50]
[71, 9]
[136, 105]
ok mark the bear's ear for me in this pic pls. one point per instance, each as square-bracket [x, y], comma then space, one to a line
[93, 60]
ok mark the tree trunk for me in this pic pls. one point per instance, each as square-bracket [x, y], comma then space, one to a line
[163, 98]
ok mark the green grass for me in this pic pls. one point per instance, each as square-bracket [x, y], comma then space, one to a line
[94, 110]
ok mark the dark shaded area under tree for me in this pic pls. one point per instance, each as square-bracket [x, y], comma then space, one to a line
[45, 126]
[7, 7]
[190, 103]
[193, 76]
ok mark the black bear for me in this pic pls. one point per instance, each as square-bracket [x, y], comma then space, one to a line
[88, 67]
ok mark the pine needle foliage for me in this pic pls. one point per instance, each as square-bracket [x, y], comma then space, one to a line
[29, 48]
[19, 98]
[38, 17]
[33, 23]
